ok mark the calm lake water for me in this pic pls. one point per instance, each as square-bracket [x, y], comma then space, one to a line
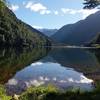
[63, 67]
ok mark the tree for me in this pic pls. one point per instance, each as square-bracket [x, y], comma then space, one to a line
[90, 4]
[2, 3]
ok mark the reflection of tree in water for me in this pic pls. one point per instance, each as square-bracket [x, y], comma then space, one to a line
[98, 55]
[85, 61]
[95, 75]
[79, 59]
[13, 60]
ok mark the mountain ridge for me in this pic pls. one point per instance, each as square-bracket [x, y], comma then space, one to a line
[79, 33]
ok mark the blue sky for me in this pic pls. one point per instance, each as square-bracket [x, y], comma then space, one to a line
[49, 13]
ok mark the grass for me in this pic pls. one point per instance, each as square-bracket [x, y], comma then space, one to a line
[3, 95]
[52, 93]
[38, 93]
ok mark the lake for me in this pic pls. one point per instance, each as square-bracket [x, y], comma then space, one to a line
[65, 68]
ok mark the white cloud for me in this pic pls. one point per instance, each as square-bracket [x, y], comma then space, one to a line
[37, 7]
[14, 7]
[56, 12]
[41, 9]
[42, 12]
[12, 82]
[65, 10]
[37, 63]
[37, 27]
[84, 12]
[85, 80]
[29, 4]
[36, 83]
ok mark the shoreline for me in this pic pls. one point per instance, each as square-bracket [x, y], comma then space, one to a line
[75, 47]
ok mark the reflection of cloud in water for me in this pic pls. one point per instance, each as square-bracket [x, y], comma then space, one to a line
[47, 73]
[36, 64]
[12, 82]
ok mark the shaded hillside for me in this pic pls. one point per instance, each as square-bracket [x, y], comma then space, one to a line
[15, 32]
[79, 33]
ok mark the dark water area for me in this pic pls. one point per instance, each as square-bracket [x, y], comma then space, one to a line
[65, 68]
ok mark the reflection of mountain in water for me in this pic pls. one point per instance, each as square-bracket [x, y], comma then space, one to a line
[57, 68]
[63, 67]
[13, 60]
[81, 60]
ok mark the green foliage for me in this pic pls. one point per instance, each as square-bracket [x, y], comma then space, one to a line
[2, 4]
[89, 4]
[52, 93]
[17, 33]
[38, 93]
[3, 95]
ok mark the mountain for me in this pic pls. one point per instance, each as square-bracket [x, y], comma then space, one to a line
[79, 33]
[14, 32]
[48, 32]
